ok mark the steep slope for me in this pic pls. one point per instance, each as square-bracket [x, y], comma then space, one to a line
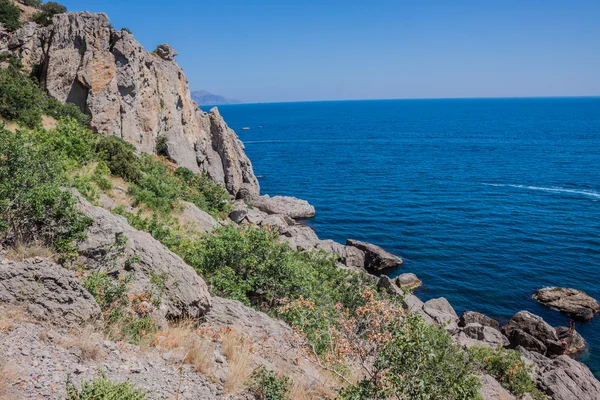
[141, 97]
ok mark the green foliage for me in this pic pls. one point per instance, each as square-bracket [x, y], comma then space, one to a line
[103, 389]
[120, 158]
[507, 368]
[33, 3]
[126, 30]
[110, 293]
[47, 11]
[157, 187]
[9, 15]
[420, 362]
[204, 193]
[267, 385]
[33, 205]
[58, 110]
[20, 98]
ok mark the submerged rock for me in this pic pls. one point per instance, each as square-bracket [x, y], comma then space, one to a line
[572, 302]
[376, 258]
[284, 205]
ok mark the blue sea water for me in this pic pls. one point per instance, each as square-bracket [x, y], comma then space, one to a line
[486, 200]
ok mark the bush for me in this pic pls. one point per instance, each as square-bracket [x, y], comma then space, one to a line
[21, 99]
[266, 385]
[33, 3]
[126, 30]
[204, 193]
[9, 15]
[120, 158]
[47, 11]
[157, 187]
[101, 388]
[57, 110]
[507, 368]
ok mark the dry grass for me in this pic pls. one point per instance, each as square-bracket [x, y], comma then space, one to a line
[9, 316]
[85, 341]
[22, 251]
[238, 353]
[198, 349]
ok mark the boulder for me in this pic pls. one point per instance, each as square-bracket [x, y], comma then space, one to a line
[385, 283]
[376, 258]
[573, 302]
[414, 305]
[201, 220]
[185, 294]
[239, 212]
[300, 237]
[442, 313]
[573, 341]
[485, 334]
[284, 205]
[524, 327]
[491, 389]
[333, 247]
[49, 291]
[279, 222]
[254, 217]
[470, 317]
[166, 52]
[563, 378]
[355, 258]
[407, 281]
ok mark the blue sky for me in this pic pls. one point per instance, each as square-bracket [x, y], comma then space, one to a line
[287, 50]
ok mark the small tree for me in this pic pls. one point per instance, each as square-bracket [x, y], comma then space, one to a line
[9, 15]
[33, 3]
[47, 11]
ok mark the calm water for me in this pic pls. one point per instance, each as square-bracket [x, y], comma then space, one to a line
[487, 200]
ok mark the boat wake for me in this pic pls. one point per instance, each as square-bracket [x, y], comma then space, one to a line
[589, 193]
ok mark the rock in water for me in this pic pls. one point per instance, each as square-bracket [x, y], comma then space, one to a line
[574, 341]
[408, 281]
[533, 333]
[376, 258]
[573, 302]
[140, 97]
[284, 205]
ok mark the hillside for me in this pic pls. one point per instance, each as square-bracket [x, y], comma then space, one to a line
[205, 98]
[138, 258]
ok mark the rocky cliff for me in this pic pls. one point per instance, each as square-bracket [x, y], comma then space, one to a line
[131, 93]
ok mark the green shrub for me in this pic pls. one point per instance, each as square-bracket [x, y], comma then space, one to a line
[21, 99]
[110, 293]
[47, 11]
[157, 187]
[267, 385]
[57, 110]
[507, 368]
[126, 30]
[33, 204]
[33, 3]
[204, 193]
[120, 158]
[103, 389]
[9, 15]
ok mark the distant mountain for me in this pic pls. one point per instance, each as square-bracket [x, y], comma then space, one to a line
[205, 98]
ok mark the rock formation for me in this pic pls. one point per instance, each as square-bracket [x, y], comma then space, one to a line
[376, 258]
[139, 96]
[573, 302]
[283, 205]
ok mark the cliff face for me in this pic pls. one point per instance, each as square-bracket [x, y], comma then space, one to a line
[141, 97]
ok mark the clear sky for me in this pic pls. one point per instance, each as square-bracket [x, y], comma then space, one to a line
[288, 50]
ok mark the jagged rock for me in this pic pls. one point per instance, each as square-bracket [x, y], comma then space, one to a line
[49, 291]
[239, 212]
[333, 247]
[284, 205]
[442, 313]
[414, 305]
[301, 237]
[470, 317]
[533, 333]
[279, 222]
[201, 220]
[491, 389]
[376, 258]
[166, 52]
[573, 340]
[133, 94]
[408, 281]
[355, 258]
[572, 302]
[385, 283]
[254, 217]
[185, 293]
[485, 335]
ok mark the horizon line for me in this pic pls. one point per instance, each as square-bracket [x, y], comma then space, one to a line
[407, 98]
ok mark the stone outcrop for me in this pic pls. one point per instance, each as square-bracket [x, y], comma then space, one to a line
[573, 302]
[407, 281]
[284, 205]
[184, 293]
[49, 292]
[533, 333]
[442, 313]
[574, 342]
[141, 97]
[491, 389]
[375, 258]
[472, 317]
[385, 283]
[201, 220]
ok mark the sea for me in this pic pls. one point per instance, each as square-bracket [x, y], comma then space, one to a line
[486, 200]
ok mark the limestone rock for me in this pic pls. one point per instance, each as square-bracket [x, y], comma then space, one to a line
[408, 281]
[140, 97]
[49, 291]
[574, 341]
[284, 205]
[201, 220]
[533, 333]
[414, 305]
[469, 317]
[185, 293]
[385, 283]
[491, 389]
[485, 334]
[276, 221]
[572, 302]
[301, 237]
[333, 247]
[442, 313]
[355, 258]
[376, 258]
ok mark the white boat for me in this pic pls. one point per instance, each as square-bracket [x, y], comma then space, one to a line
[245, 128]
